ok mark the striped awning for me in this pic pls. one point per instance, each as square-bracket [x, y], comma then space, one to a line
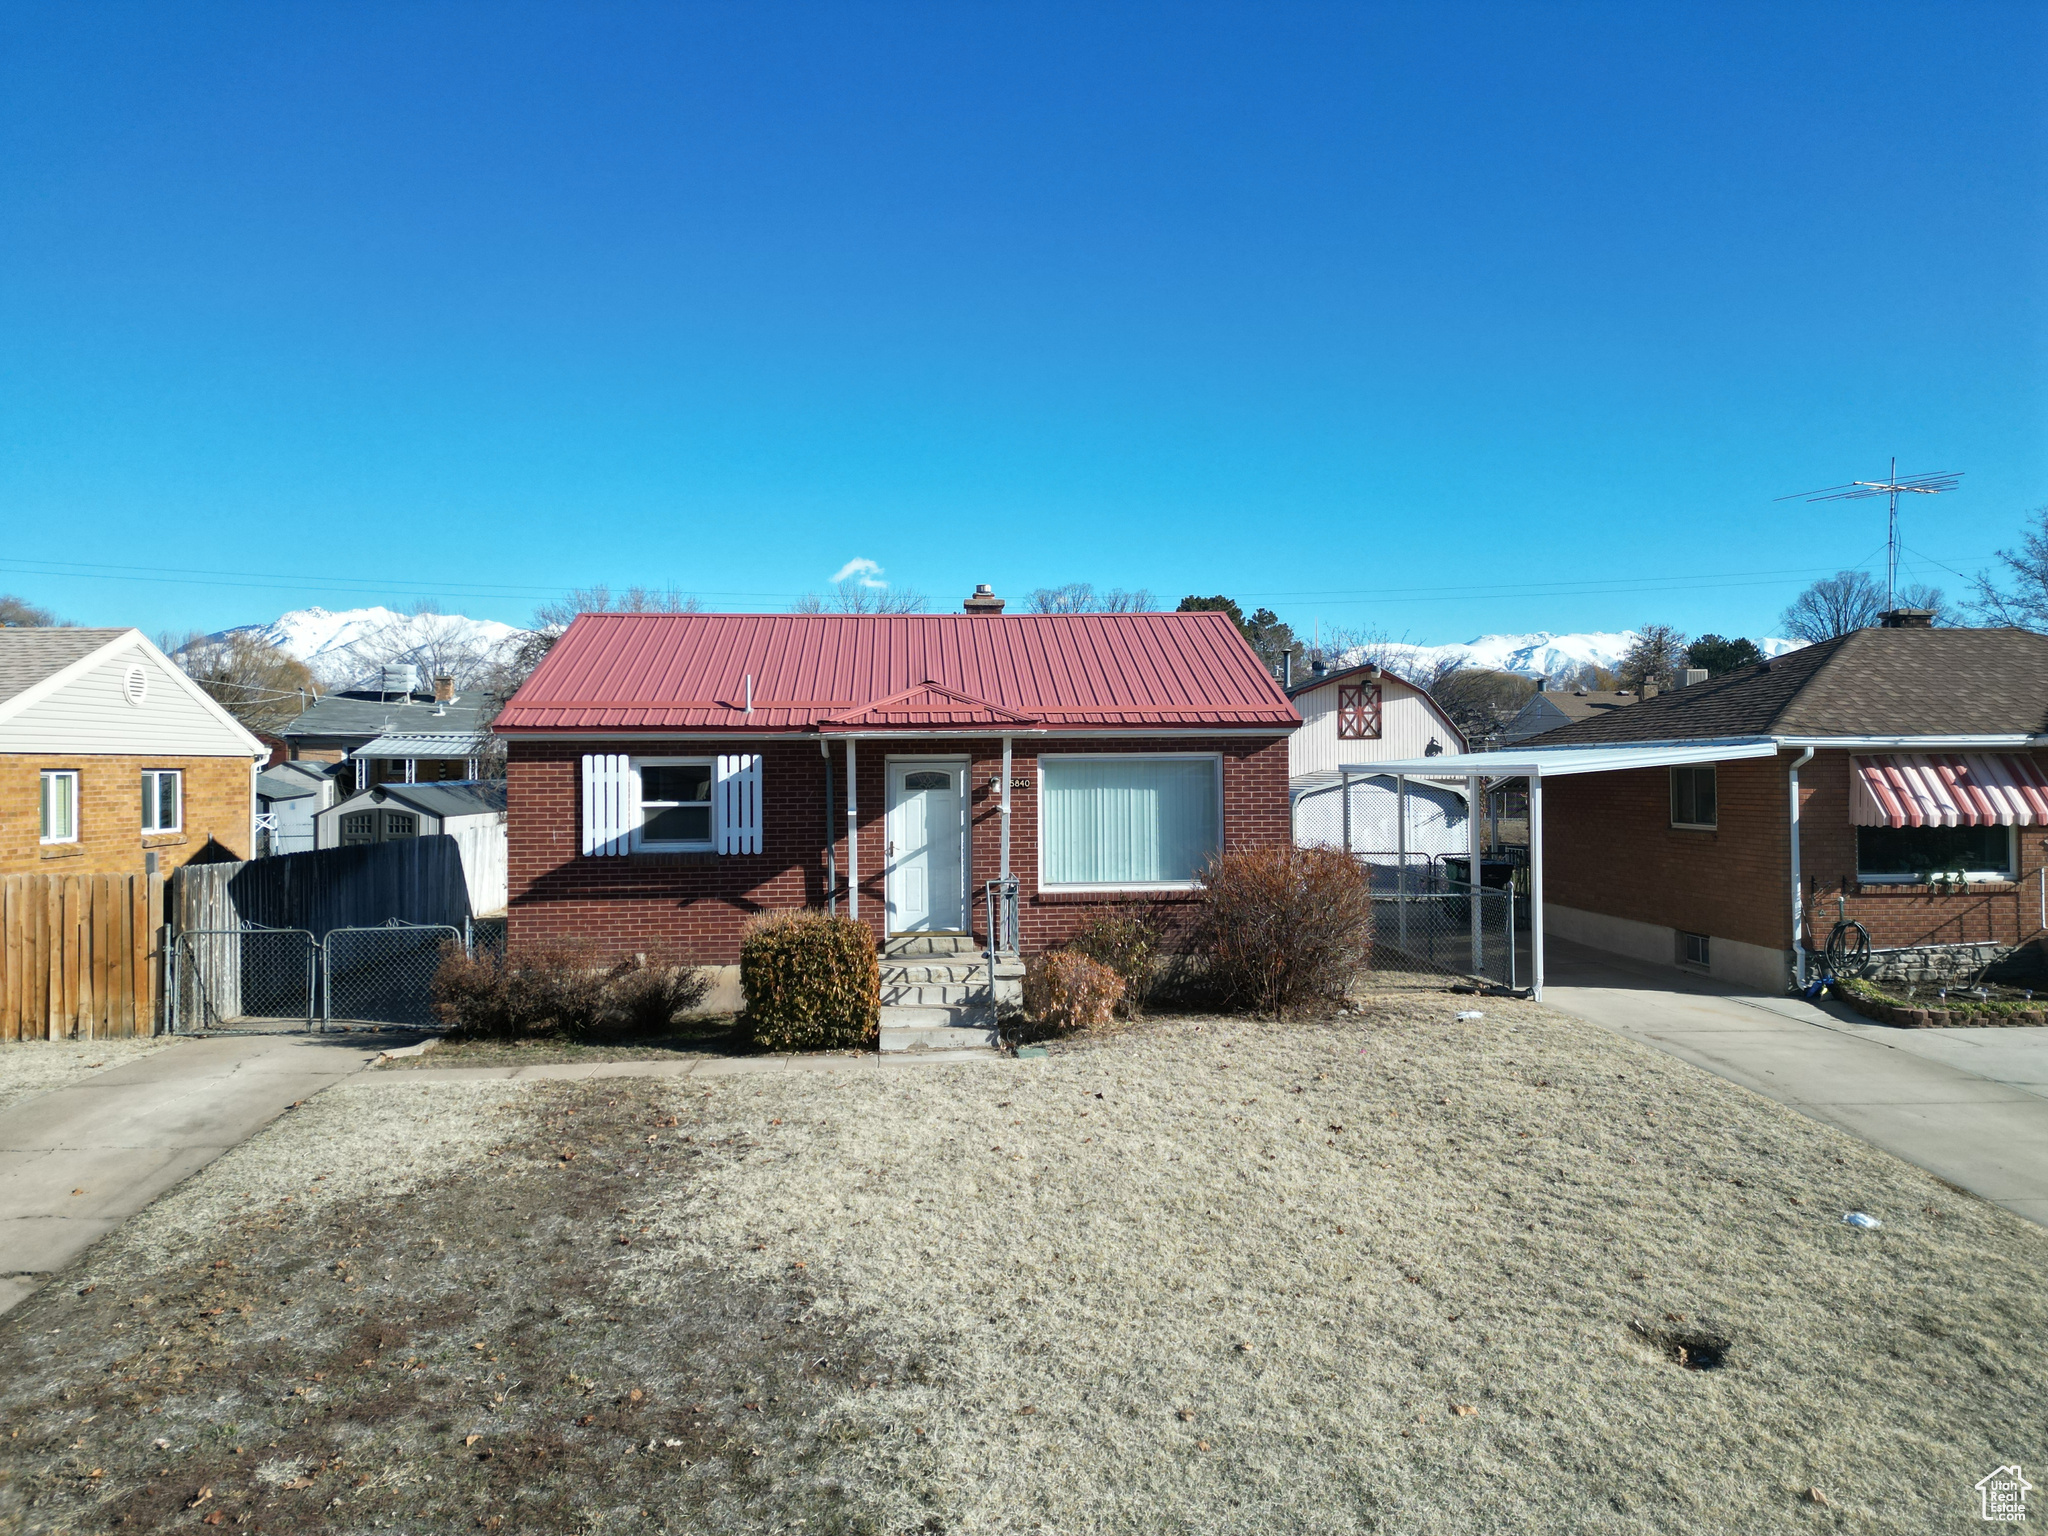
[1935, 789]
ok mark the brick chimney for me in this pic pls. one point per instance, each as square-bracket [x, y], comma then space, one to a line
[983, 601]
[444, 689]
[1907, 618]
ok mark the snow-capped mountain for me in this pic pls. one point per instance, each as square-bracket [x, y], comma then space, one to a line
[1539, 655]
[342, 648]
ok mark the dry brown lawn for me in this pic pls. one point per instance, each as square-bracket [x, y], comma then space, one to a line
[30, 1067]
[1385, 1273]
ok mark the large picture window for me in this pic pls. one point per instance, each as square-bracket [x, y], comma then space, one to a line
[1916, 853]
[60, 805]
[1128, 821]
[675, 802]
[1692, 797]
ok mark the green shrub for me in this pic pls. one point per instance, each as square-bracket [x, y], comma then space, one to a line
[564, 989]
[1064, 989]
[1129, 945]
[1286, 928]
[813, 981]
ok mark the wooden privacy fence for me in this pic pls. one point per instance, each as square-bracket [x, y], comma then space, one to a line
[76, 957]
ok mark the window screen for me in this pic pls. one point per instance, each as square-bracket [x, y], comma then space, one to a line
[1692, 797]
[1129, 821]
[675, 802]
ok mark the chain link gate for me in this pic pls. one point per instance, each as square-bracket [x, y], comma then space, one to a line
[384, 975]
[244, 978]
[1423, 920]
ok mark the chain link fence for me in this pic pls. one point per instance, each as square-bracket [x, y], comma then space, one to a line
[1428, 925]
[244, 978]
[385, 975]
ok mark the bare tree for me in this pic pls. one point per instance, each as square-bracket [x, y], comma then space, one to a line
[260, 685]
[2024, 603]
[1851, 600]
[551, 621]
[1655, 657]
[1081, 597]
[854, 595]
[20, 613]
[1479, 700]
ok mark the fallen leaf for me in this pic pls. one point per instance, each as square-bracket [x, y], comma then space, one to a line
[78, 1191]
[1817, 1496]
[1463, 1410]
[1026, 1410]
[1186, 1415]
[213, 1519]
[471, 1439]
[587, 1420]
[635, 1395]
[199, 1498]
[1201, 1445]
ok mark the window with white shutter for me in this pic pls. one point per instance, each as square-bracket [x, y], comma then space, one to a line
[736, 802]
[611, 810]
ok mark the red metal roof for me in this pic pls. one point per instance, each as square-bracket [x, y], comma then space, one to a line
[845, 672]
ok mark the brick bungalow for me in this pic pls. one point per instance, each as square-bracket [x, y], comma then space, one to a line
[668, 775]
[1893, 776]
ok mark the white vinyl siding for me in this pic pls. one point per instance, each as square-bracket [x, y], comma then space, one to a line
[92, 713]
[1110, 821]
[59, 817]
[163, 800]
[1407, 726]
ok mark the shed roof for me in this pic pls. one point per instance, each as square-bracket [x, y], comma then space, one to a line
[847, 672]
[450, 797]
[1868, 683]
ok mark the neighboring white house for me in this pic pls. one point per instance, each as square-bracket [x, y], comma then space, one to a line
[288, 796]
[470, 811]
[1364, 715]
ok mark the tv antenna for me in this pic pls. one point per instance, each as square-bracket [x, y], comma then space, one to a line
[1892, 489]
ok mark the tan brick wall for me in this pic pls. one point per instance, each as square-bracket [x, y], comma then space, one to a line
[110, 836]
[694, 904]
[1608, 847]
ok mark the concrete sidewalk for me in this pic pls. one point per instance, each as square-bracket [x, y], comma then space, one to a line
[1969, 1105]
[77, 1161]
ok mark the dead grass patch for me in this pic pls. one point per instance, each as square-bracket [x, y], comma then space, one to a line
[30, 1067]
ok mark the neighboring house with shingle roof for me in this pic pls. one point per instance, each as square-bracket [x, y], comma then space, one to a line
[1923, 807]
[406, 737]
[1551, 709]
[113, 761]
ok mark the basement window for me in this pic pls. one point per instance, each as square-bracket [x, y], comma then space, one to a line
[1693, 951]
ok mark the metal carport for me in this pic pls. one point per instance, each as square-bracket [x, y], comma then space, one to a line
[1481, 770]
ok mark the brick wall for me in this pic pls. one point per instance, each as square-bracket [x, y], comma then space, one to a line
[693, 904]
[1609, 847]
[110, 836]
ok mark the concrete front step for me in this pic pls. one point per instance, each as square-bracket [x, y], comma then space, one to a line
[934, 994]
[944, 944]
[936, 1028]
[956, 973]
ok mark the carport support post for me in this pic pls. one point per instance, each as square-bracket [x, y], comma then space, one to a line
[1474, 788]
[1401, 852]
[852, 835]
[1536, 883]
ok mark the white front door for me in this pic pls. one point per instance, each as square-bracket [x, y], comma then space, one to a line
[927, 845]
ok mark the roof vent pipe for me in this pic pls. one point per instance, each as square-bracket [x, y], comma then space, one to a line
[750, 693]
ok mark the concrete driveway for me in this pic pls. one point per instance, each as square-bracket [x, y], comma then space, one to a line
[1969, 1105]
[79, 1160]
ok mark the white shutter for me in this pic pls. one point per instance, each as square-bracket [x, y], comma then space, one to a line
[610, 806]
[736, 804]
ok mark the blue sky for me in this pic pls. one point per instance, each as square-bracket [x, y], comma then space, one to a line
[1430, 319]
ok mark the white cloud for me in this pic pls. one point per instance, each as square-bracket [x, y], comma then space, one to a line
[867, 572]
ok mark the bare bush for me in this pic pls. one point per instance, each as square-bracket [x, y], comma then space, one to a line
[1286, 928]
[1129, 945]
[1064, 989]
[562, 989]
